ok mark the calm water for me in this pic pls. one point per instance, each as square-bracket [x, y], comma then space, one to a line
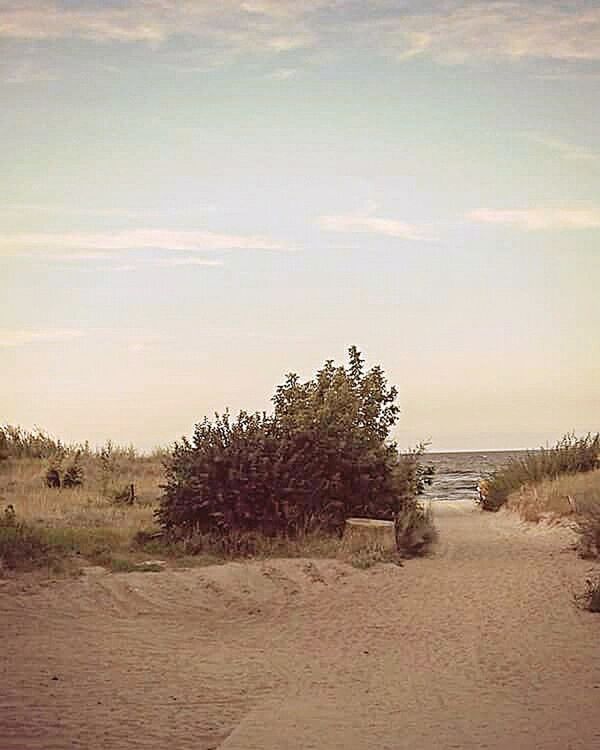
[457, 474]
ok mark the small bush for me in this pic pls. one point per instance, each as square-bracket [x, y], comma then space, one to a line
[22, 547]
[125, 495]
[74, 475]
[415, 531]
[588, 528]
[52, 478]
[570, 455]
[590, 598]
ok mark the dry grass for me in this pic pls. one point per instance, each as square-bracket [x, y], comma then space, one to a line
[575, 497]
[22, 485]
[83, 522]
[568, 495]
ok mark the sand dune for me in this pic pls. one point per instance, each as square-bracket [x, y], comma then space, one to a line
[478, 646]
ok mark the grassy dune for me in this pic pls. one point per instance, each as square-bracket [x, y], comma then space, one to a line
[22, 484]
[85, 521]
[566, 495]
[575, 497]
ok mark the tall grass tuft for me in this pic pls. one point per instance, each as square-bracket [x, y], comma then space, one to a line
[16, 442]
[571, 455]
[23, 547]
[588, 528]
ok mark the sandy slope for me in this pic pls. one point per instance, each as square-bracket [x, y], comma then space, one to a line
[478, 646]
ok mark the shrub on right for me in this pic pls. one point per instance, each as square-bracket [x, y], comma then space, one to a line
[571, 455]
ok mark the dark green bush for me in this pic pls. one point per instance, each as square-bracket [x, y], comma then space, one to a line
[322, 456]
[74, 475]
[569, 456]
[52, 478]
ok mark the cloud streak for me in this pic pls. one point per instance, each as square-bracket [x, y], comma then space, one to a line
[166, 263]
[135, 239]
[539, 218]
[17, 337]
[369, 224]
[177, 262]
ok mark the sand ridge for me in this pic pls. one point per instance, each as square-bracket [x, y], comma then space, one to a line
[477, 646]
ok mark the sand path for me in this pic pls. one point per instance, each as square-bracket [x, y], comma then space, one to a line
[478, 646]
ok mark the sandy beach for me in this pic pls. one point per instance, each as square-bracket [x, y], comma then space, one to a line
[477, 646]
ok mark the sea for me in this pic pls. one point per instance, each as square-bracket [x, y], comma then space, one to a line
[457, 474]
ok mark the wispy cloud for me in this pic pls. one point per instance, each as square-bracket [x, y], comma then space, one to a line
[175, 262]
[459, 32]
[18, 209]
[135, 239]
[568, 151]
[18, 337]
[164, 263]
[28, 209]
[124, 268]
[48, 19]
[25, 71]
[242, 25]
[449, 31]
[368, 223]
[283, 74]
[140, 264]
[540, 218]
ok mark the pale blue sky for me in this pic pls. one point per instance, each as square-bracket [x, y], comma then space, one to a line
[196, 198]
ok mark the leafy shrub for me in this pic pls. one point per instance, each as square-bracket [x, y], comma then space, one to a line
[74, 475]
[52, 477]
[569, 456]
[322, 456]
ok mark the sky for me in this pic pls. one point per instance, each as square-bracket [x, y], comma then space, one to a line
[197, 198]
